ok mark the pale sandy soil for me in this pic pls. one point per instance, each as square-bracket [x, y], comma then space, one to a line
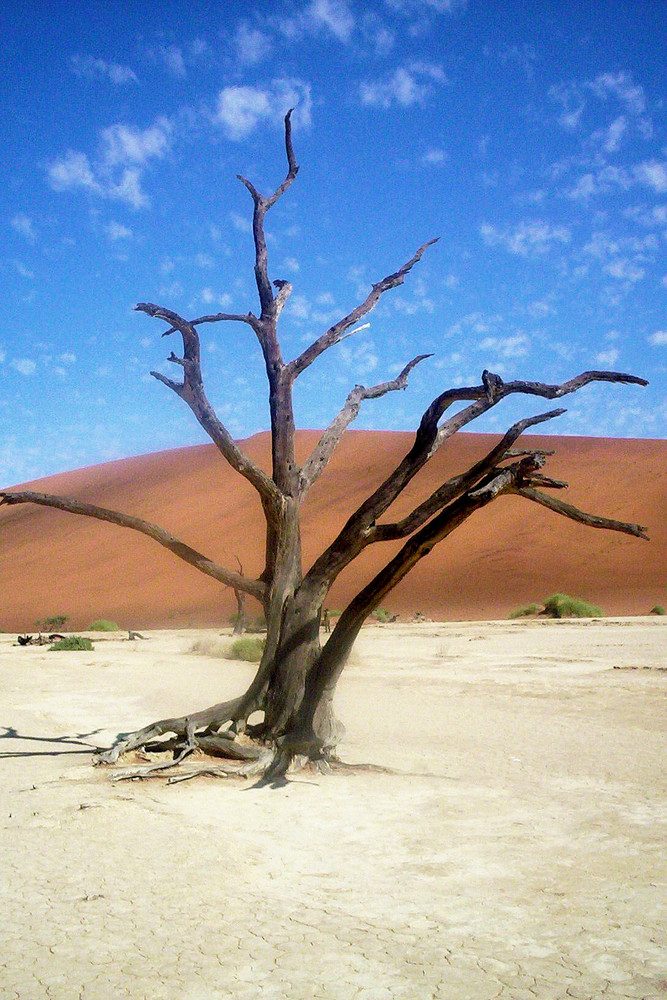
[517, 855]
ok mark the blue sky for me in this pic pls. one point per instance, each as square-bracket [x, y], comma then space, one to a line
[529, 137]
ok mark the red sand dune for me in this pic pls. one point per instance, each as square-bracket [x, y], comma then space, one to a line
[511, 553]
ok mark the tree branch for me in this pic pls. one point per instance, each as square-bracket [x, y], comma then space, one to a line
[459, 484]
[428, 439]
[253, 587]
[261, 207]
[335, 333]
[248, 318]
[191, 389]
[590, 520]
[319, 459]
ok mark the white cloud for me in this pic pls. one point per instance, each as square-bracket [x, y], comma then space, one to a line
[607, 358]
[621, 86]
[439, 6]
[527, 237]
[434, 157]
[128, 189]
[117, 172]
[209, 297]
[574, 98]
[22, 224]
[21, 269]
[72, 171]
[116, 231]
[99, 69]
[122, 144]
[658, 339]
[625, 270]
[653, 174]
[408, 85]
[291, 264]
[68, 358]
[610, 137]
[334, 16]
[604, 180]
[515, 346]
[24, 366]
[240, 222]
[241, 109]
[656, 215]
[204, 260]
[382, 39]
[251, 44]
[172, 57]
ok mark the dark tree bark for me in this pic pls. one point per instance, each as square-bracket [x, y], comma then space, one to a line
[295, 683]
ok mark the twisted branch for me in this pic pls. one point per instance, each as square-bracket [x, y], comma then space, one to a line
[335, 333]
[253, 587]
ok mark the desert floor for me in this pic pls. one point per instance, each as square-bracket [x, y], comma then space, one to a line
[517, 854]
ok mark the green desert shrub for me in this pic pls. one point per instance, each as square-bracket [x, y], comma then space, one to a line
[564, 606]
[210, 646]
[526, 610]
[51, 624]
[103, 625]
[72, 642]
[248, 648]
[657, 610]
[381, 615]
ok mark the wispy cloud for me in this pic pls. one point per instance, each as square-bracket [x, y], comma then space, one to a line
[99, 69]
[622, 87]
[408, 85]
[434, 157]
[240, 222]
[658, 339]
[116, 231]
[116, 173]
[513, 346]
[172, 57]
[251, 44]
[210, 297]
[334, 16]
[527, 237]
[574, 99]
[607, 358]
[610, 137]
[23, 225]
[21, 269]
[241, 109]
[24, 366]
[622, 258]
[653, 174]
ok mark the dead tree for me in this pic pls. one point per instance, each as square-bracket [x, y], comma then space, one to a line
[296, 679]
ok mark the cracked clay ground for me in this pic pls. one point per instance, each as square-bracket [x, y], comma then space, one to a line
[519, 855]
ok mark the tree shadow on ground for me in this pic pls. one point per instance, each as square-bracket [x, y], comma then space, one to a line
[10, 733]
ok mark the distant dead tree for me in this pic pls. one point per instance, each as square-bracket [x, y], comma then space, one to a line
[295, 683]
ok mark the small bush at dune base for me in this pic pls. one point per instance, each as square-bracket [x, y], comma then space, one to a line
[526, 610]
[564, 606]
[102, 625]
[657, 610]
[72, 642]
[248, 648]
[209, 646]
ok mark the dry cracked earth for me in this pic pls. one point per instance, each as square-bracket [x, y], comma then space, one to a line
[517, 854]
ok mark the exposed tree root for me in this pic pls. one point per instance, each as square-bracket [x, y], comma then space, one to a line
[210, 720]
